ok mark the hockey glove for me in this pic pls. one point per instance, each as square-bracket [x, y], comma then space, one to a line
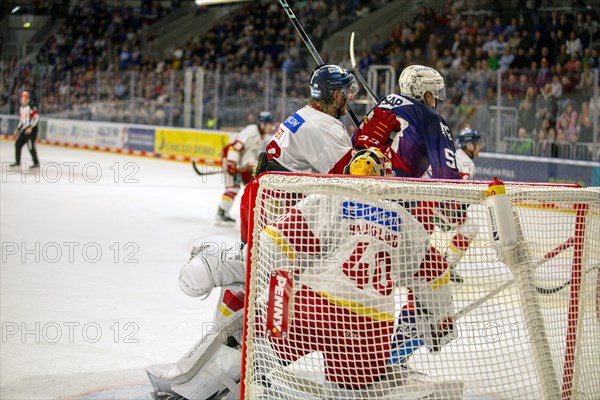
[377, 131]
[247, 171]
[232, 167]
[450, 215]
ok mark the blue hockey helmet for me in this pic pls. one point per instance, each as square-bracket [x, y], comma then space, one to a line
[467, 135]
[325, 79]
[264, 117]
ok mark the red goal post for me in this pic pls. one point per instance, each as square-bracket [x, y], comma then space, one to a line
[529, 330]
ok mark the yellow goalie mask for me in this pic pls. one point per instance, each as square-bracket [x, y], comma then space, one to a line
[369, 162]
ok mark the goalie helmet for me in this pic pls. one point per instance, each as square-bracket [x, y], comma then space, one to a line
[326, 79]
[369, 162]
[264, 117]
[467, 135]
[415, 80]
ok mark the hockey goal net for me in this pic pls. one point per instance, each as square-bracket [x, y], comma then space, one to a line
[323, 307]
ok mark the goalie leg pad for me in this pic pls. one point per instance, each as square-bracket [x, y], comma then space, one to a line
[222, 371]
[212, 364]
[211, 267]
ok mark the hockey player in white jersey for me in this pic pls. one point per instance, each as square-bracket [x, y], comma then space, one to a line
[239, 161]
[313, 139]
[469, 143]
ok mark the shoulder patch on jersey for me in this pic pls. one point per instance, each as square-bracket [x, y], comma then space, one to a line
[294, 122]
[377, 215]
[395, 100]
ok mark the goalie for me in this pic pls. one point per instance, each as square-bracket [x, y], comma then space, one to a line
[346, 266]
[344, 296]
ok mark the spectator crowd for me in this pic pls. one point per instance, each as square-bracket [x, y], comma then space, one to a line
[546, 56]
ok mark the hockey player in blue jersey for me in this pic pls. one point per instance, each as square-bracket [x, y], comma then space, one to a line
[423, 142]
[425, 138]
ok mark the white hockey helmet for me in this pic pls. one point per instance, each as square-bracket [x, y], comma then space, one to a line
[415, 80]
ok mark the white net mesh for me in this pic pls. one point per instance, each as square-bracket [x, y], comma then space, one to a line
[350, 293]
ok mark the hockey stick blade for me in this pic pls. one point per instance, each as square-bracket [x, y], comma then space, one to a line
[557, 289]
[358, 75]
[466, 310]
[205, 173]
[311, 48]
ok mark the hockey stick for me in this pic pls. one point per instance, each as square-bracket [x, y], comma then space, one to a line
[568, 243]
[215, 172]
[311, 48]
[205, 173]
[359, 76]
[556, 289]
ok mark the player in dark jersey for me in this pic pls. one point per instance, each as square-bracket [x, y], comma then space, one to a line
[424, 141]
[425, 138]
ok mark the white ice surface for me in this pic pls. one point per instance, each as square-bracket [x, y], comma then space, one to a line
[79, 324]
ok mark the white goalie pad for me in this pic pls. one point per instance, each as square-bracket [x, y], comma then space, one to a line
[209, 366]
[211, 266]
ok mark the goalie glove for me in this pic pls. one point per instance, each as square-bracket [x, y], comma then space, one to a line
[450, 215]
[376, 131]
[446, 216]
[417, 329]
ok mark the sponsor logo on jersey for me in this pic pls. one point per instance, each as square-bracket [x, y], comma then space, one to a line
[390, 219]
[375, 231]
[294, 122]
[280, 291]
[394, 100]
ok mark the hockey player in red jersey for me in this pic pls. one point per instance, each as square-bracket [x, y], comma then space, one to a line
[26, 131]
[332, 88]
[239, 161]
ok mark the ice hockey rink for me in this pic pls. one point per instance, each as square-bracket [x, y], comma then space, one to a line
[92, 245]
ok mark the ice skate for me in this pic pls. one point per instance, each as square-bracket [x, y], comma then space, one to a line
[223, 218]
[455, 276]
[452, 257]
